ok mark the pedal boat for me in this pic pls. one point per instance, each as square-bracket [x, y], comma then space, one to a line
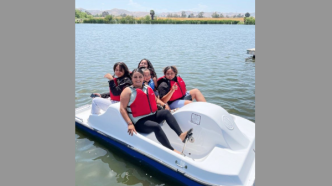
[221, 150]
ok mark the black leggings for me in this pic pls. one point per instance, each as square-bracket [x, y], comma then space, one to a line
[151, 124]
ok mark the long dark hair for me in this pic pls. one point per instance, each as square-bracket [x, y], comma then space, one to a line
[123, 67]
[150, 67]
[175, 70]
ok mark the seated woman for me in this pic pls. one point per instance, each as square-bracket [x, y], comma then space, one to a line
[138, 107]
[116, 86]
[145, 63]
[172, 89]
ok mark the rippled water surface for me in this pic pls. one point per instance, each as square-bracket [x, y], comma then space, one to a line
[211, 58]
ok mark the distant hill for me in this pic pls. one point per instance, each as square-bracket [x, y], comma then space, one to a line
[206, 14]
[118, 12]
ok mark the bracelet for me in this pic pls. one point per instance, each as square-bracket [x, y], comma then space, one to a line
[128, 122]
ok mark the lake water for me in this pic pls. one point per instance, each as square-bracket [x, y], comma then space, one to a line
[211, 58]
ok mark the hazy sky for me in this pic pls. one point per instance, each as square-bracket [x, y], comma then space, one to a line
[169, 5]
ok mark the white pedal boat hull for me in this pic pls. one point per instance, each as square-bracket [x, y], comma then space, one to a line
[222, 152]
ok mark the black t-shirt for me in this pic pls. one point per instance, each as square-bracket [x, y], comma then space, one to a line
[163, 89]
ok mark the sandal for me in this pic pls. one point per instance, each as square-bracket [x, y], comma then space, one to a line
[189, 133]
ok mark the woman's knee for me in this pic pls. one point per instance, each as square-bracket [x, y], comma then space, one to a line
[94, 101]
[164, 113]
[187, 102]
[195, 91]
[167, 113]
[157, 128]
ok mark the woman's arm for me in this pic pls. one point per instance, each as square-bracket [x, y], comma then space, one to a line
[162, 104]
[155, 82]
[105, 95]
[108, 76]
[124, 100]
[168, 96]
[97, 94]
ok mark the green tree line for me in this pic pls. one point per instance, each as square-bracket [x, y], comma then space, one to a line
[126, 19]
[147, 20]
[81, 15]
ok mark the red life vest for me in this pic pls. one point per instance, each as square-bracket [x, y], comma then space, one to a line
[144, 104]
[113, 97]
[180, 92]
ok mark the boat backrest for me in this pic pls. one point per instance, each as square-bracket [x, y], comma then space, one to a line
[213, 126]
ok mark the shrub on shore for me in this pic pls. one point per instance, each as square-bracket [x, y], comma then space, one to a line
[249, 20]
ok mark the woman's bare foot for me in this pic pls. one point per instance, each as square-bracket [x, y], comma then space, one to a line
[184, 134]
[177, 151]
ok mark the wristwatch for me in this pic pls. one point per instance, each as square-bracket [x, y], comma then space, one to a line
[164, 106]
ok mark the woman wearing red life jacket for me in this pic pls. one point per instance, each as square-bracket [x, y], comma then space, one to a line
[138, 107]
[172, 89]
[116, 85]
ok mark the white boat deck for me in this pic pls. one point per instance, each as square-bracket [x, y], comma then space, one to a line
[223, 151]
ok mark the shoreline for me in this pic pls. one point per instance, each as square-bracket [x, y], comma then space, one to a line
[147, 20]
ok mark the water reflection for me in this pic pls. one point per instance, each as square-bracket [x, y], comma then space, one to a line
[99, 163]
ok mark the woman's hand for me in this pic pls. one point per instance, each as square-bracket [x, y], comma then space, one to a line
[108, 76]
[174, 87]
[97, 94]
[167, 107]
[131, 129]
